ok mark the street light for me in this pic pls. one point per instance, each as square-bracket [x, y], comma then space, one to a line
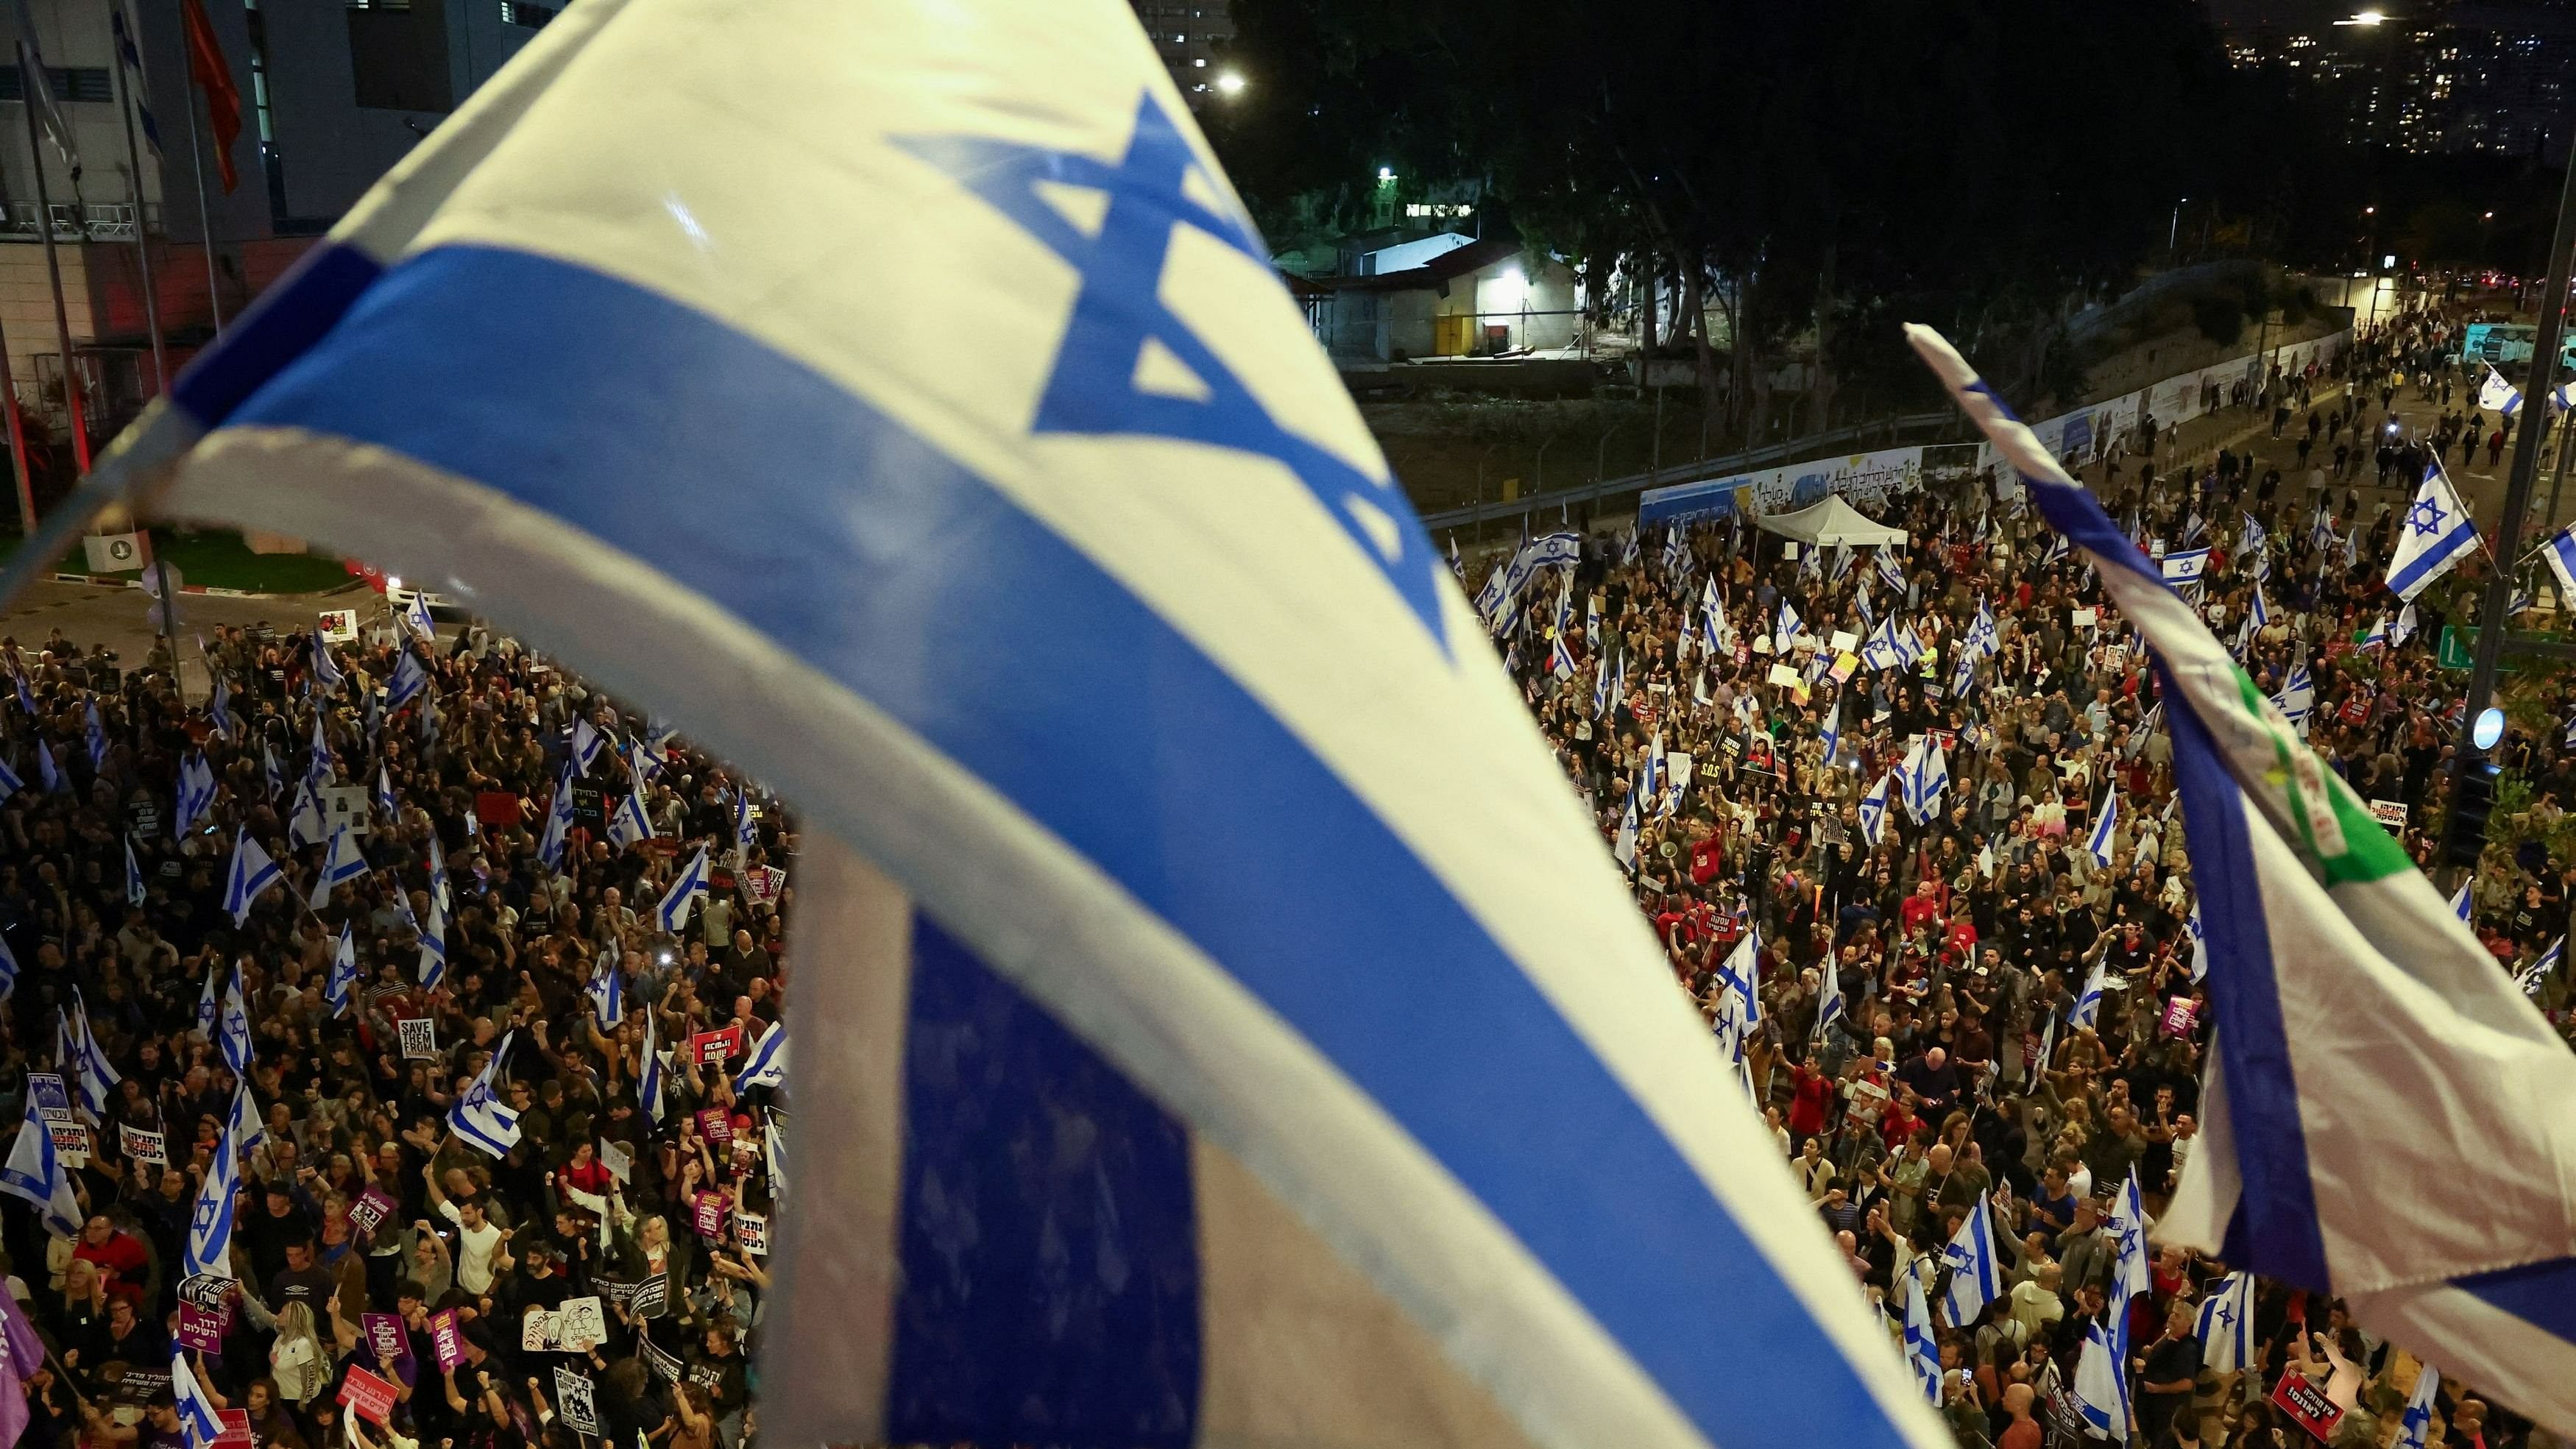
[2366, 17]
[1229, 84]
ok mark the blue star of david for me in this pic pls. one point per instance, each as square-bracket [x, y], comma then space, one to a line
[2426, 516]
[2225, 1316]
[1118, 315]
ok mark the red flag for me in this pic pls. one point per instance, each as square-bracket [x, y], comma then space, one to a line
[214, 75]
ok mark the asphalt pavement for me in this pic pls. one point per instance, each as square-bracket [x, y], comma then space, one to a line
[126, 620]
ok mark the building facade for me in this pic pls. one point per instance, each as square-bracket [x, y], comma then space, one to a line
[1192, 36]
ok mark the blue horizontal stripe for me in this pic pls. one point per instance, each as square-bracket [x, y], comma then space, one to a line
[1050, 1235]
[2404, 581]
[2540, 1294]
[924, 590]
[284, 324]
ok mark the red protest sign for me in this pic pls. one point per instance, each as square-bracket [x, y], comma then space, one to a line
[715, 1048]
[203, 1329]
[497, 807]
[367, 1396]
[716, 1127]
[2307, 1405]
[236, 1432]
[709, 1215]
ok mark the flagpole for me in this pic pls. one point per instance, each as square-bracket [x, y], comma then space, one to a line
[126, 102]
[2498, 597]
[18, 446]
[205, 226]
[34, 75]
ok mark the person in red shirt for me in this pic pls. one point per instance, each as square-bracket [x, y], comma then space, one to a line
[121, 1261]
[1921, 908]
[1810, 1091]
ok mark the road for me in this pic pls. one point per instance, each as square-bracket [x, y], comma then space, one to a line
[125, 620]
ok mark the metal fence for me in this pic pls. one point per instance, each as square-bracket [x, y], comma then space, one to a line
[75, 221]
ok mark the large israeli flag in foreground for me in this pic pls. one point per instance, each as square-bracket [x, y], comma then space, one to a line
[933, 440]
[2385, 1117]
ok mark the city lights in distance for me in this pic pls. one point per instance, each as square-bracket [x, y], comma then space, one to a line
[2366, 17]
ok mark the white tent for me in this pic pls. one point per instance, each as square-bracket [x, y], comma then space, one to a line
[1828, 523]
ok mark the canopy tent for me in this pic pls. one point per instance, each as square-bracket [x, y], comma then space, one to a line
[1828, 523]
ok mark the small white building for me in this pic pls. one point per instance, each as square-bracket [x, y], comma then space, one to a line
[1448, 296]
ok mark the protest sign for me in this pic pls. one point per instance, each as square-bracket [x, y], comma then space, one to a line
[340, 626]
[716, 1127]
[444, 1340]
[235, 1433]
[764, 882]
[752, 1231]
[619, 1162]
[584, 1325]
[663, 1364]
[2391, 813]
[652, 1297]
[53, 1101]
[2307, 1405]
[707, 1213]
[371, 1209]
[367, 1396]
[150, 1148]
[210, 1291]
[419, 1037]
[202, 1329]
[385, 1334]
[573, 1401]
[714, 1048]
[541, 1331]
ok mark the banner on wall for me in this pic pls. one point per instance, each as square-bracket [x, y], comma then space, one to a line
[1868, 479]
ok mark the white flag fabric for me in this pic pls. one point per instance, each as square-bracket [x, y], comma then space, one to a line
[2434, 533]
[1873, 811]
[197, 1414]
[2106, 823]
[232, 1038]
[687, 889]
[252, 872]
[766, 1066]
[478, 1118]
[2382, 1117]
[2225, 1324]
[1922, 1350]
[1089, 562]
[341, 865]
[2100, 1387]
[209, 1249]
[1976, 1275]
[35, 1175]
[2561, 553]
[2415, 1426]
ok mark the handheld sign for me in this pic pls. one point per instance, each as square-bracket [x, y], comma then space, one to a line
[619, 1162]
[201, 1329]
[2307, 1405]
[371, 1209]
[149, 1148]
[752, 1231]
[714, 1048]
[367, 1396]
[573, 1401]
[716, 1127]
[419, 1038]
[708, 1215]
[340, 626]
[385, 1334]
[584, 1325]
[444, 1340]
[236, 1429]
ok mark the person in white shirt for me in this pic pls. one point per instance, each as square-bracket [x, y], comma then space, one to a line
[479, 1244]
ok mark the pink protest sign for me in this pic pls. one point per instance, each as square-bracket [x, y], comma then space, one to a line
[444, 1339]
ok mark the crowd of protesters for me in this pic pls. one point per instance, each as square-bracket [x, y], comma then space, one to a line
[602, 1278]
[1950, 1073]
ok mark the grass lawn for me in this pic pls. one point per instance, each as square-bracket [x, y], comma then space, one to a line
[218, 559]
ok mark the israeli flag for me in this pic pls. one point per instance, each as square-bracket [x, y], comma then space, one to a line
[10, 784]
[317, 766]
[2537, 974]
[248, 1129]
[232, 1041]
[2560, 550]
[252, 872]
[2377, 638]
[338, 990]
[2088, 1002]
[1741, 975]
[219, 708]
[416, 619]
[587, 743]
[687, 889]
[2199, 945]
[209, 1249]
[1922, 1350]
[2251, 539]
[135, 891]
[56, 782]
[628, 825]
[2415, 1426]
[2298, 694]
[1623, 848]
[1785, 629]
[408, 681]
[96, 732]
[1650, 776]
[385, 801]
[1829, 997]
[1560, 658]
[2404, 628]
[2225, 1324]
[478, 1118]
[1976, 1274]
[1873, 811]
[33, 1173]
[97, 1075]
[1925, 774]
[1881, 651]
[197, 1416]
[8, 970]
[1830, 735]
[550, 846]
[207, 1008]
[2438, 1210]
[2460, 905]
[196, 792]
[2437, 533]
[439, 890]
[1214, 592]
[2106, 823]
[276, 775]
[326, 670]
[1891, 569]
[2186, 566]
[433, 946]
[343, 864]
[648, 1085]
[2495, 395]
[26, 697]
[606, 991]
[2101, 1388]
[767, 1064]
[2261, 614]
[304, 823]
